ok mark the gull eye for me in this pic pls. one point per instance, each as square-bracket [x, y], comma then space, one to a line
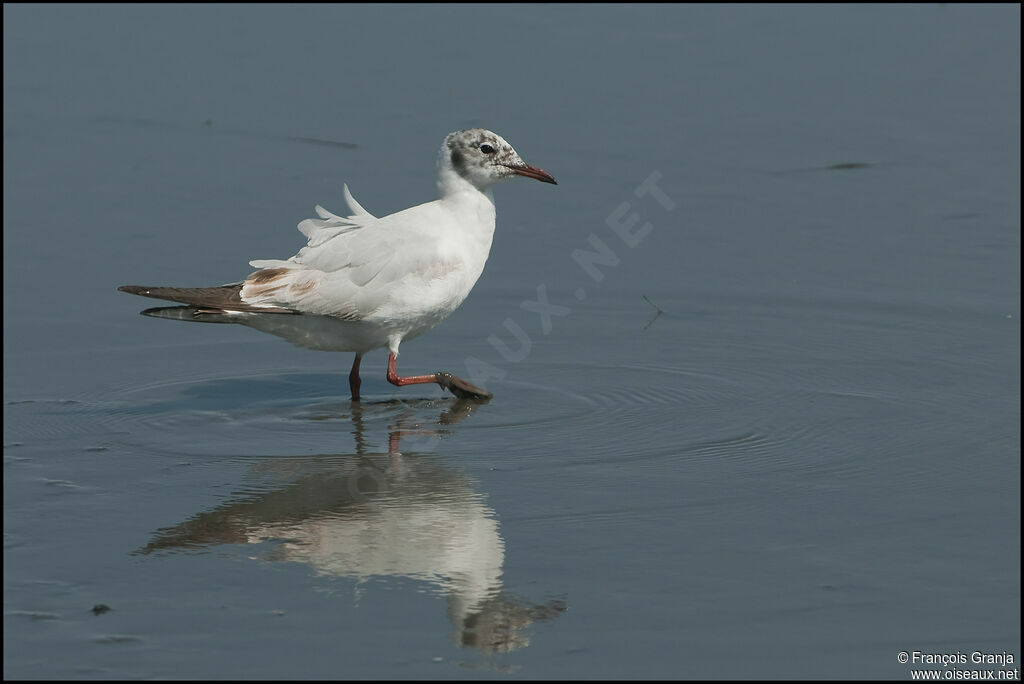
[486, 149]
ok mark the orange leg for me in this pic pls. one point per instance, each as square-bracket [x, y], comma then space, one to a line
[456, 386]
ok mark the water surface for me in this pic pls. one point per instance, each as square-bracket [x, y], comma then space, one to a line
[768, 427]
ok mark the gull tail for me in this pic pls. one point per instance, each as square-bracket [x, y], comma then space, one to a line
[203, 300]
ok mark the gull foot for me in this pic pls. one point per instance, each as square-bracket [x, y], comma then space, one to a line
[461, 388]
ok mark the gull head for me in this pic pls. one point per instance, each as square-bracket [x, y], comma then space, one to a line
[482, 158]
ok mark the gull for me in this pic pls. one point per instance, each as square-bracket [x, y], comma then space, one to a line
[363, 282]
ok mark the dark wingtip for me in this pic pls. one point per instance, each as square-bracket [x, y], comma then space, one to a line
[133, 289]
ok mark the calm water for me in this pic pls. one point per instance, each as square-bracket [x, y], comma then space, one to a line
[807, 462]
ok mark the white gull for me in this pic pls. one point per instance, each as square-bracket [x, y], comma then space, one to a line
[362, 282]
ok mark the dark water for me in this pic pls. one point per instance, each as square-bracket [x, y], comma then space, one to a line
[806, 463]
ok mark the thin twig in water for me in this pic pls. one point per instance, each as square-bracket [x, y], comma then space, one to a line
[656, 308]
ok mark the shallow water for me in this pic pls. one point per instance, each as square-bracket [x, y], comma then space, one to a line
[775, 434]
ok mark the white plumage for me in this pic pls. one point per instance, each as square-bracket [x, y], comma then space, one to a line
[386, 279]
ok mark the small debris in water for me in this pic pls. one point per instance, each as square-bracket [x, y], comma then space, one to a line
[845, 166]
[100, 609]
[34, 614]
[116, 639]
[656, 308]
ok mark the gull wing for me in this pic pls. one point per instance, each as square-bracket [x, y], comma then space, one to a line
[328, 226]
[333, 273]
[219, 299]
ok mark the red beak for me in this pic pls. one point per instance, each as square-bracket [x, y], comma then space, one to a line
[533, 172]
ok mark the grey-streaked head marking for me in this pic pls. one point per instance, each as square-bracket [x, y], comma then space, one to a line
[483, 158]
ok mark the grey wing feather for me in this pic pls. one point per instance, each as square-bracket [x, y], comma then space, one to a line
[222, 298]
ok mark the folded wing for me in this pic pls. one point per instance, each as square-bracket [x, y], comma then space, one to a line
[343, 255]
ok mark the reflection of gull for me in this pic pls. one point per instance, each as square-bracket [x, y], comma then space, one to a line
[390, 278]
[381, 515]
